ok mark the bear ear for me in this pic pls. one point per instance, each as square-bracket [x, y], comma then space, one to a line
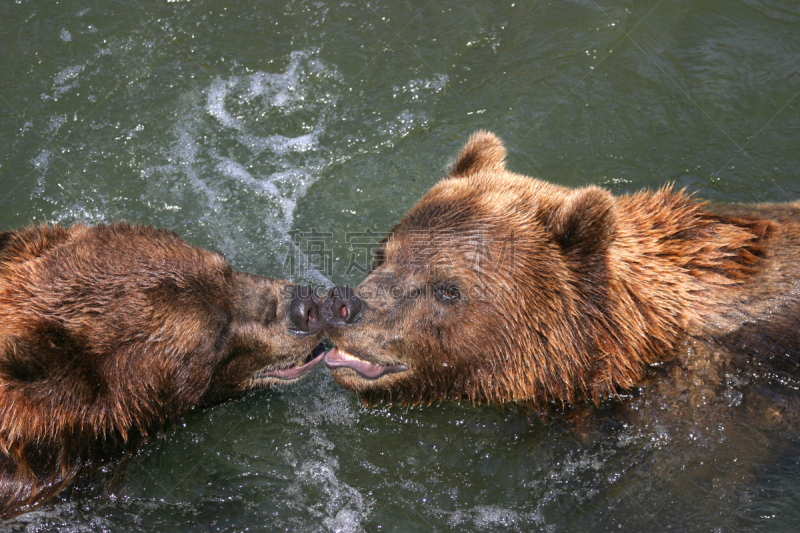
[484, 151]
[586, 223]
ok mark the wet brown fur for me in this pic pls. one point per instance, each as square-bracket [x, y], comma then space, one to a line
[596, 289]
[108, 334]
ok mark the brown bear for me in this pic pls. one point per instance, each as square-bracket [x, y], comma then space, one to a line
[109, 333]
[501, 288]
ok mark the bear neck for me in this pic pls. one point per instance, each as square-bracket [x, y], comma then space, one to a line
[675, 270]
[684, 261]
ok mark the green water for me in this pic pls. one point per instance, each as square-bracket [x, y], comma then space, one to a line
[261, 129]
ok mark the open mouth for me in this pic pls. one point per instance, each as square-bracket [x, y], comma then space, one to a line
[294, 372]
[337, 358]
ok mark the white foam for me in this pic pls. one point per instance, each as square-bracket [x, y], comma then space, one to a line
[494, 517]
[90, 214]
[232, 169]
[286, 88]
[279, 144]
[60, 82]
[67, 74]
[215, 104]
[251, 174]
[345, 508]
[183, 157]
[55, 123]
[279, 88]
[345, 521]
[64, 81]
[435, 85]
[41, 161]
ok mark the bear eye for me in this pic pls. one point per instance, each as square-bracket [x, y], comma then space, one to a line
[447, 292]
[270, 312]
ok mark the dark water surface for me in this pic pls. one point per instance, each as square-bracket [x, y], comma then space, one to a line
[244, 125]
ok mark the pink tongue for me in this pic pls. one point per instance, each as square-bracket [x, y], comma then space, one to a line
[334, 359]
[296, 371]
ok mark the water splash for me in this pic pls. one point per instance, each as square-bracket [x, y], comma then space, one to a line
[241, 156]
[64, 81]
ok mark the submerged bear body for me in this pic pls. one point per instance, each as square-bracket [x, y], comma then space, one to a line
[501, 288]
[109, 333]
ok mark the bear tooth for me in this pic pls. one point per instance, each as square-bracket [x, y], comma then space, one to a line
[345, 355]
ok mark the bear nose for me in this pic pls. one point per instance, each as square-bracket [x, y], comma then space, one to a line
[304, 310]
[342, 306]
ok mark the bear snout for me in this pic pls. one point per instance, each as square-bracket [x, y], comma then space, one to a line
[304, 310]
[341, 307]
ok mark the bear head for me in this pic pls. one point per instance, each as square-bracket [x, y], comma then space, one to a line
[483, 291]
[109, 333]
